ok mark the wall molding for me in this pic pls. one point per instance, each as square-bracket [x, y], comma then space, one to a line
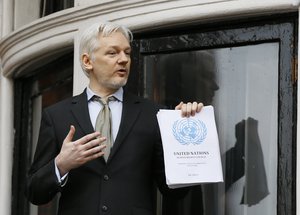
[37, 41]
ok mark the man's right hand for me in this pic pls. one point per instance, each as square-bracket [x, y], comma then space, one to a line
[76, 153]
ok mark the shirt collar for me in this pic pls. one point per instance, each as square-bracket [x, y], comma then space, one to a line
[118, 94]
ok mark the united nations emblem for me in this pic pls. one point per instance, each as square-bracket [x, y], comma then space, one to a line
[189, 130]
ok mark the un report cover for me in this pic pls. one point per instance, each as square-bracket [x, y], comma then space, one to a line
[191, 148]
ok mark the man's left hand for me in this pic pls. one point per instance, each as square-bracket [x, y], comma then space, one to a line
[189, 109]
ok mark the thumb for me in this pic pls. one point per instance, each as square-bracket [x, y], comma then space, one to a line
[179, 106]
[70, 135]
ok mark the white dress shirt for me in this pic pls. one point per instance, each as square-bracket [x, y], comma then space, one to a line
[115, 109]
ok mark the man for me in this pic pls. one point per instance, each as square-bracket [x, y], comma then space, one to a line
[70, 154]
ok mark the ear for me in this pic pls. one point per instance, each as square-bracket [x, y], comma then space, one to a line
[87, 62]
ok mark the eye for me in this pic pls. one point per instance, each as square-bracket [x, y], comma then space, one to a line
[128, 52]
[111, 53]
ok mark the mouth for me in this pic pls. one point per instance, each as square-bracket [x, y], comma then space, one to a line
[122, 71]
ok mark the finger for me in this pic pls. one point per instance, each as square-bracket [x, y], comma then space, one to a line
[95, 156]
[179, 106]
[70, 135]
[93, 143]
[95, 150]
[199, 107]
[188, 109]
[87, 138]
[194, 108]
[183, 110]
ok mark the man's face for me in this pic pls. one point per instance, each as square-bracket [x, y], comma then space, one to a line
[109, 67]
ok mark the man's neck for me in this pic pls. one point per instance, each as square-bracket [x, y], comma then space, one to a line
[102, 92]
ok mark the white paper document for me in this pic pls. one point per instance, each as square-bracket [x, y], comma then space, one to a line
[191, 148]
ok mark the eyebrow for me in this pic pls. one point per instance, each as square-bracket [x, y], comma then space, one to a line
[118, 47]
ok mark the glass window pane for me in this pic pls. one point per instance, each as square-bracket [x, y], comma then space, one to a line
[242, 84]
[52, 6]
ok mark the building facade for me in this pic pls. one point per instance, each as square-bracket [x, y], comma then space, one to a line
[239, 56]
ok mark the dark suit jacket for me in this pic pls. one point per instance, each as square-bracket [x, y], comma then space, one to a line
[123, 185]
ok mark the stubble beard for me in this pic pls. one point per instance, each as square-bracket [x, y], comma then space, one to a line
[115, 85]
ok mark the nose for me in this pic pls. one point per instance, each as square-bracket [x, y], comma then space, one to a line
[123, 58]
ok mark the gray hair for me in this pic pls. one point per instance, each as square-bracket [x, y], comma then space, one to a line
[89, 41]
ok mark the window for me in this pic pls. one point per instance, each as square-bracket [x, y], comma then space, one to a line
[47, 85]
[247, 74]
[52, 6]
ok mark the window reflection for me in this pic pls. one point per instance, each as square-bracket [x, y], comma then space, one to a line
[183, 76]
[246, 159]
[241, 83]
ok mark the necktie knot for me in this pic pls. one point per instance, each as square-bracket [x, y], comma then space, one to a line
[104, 100]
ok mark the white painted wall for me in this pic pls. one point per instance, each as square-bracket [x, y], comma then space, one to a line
[26, 11]
[6, 117]
[6, 143]
[80, 81]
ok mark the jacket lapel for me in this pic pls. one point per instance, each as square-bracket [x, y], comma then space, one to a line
[81, 112]
[130, 113]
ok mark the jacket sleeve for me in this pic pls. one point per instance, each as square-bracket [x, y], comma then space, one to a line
[42, 183]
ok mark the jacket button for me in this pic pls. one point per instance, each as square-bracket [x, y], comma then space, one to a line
[104, 208]
[105, 177]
